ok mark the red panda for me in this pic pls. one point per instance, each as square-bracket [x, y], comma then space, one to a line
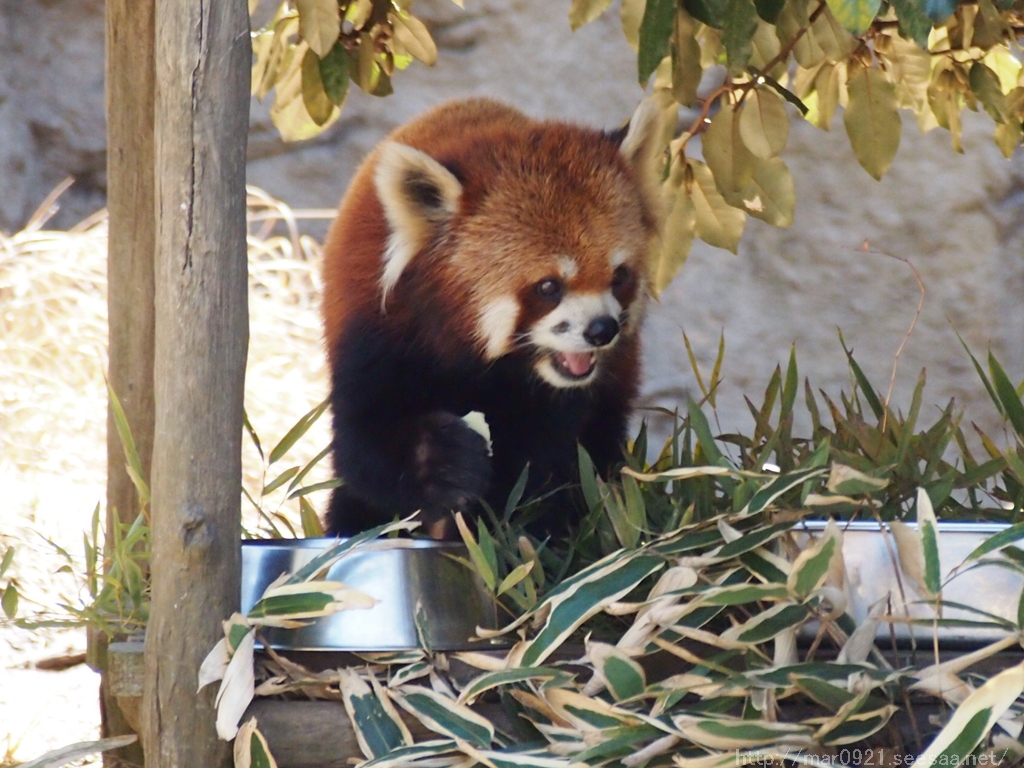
[485, 261]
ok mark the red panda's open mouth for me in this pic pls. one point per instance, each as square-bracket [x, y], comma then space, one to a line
[574, 365]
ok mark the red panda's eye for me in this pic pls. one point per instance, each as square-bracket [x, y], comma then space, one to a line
[550, 289]
[621, 277]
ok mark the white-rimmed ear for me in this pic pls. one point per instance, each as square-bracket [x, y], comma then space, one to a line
[419, 195]
[640, 144]
[643, 147]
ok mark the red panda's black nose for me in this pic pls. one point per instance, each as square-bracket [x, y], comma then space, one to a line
[601, 331]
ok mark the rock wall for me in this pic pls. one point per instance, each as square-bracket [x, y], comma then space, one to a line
[956, 219]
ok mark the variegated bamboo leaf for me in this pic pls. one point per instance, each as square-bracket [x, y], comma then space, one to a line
[813, 564]
[847, 481]
[973, 719]
[585, 595]
[445, 716]
[929, 528]
[768, 624]
[375, 722]
[723, 733]
[237, 688]
[251, 749]
[624, 678]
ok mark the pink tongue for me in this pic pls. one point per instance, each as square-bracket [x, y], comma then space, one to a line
[578, 363]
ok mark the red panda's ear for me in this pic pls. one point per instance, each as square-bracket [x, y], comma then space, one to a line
[419, 195]
[643, 147]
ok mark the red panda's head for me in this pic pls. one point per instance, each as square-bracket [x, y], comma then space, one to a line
[537, 234]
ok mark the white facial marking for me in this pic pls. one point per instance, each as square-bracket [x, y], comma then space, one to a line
[562, 328]
[496, 324]
[618, 257]
[567, 267]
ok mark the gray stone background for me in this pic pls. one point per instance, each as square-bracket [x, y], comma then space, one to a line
[957, 218]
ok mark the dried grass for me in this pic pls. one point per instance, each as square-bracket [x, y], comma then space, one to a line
[53, 359]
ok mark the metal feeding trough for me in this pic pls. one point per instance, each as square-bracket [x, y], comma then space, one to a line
[425, 597]
[872, 576]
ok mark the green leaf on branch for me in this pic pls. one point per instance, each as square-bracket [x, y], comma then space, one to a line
[334, 74]
[710, 12]
[763, 123]
[872, 121]
[939, 10]
[655, 30]
[985, 84]
[855, 15]
[769, 10]
[914, 22]
[738, 28]
[769, 195]
[679, 229]
[731, 163]
[836, 43]
[793, 30]
[686, 67]
[718, 223]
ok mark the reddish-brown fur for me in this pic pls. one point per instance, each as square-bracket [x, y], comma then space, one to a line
[461, 321]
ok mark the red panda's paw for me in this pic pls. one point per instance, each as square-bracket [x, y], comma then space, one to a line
[453, 464]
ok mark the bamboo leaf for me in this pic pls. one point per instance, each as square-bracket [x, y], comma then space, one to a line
[847, 481]
[1007, 394]
[585, 595]
[624, 677]
[733, 734]
[872, 120]
[445, 716]
[973, 719]
[296, 432]
[237, 688]
[929, 528]
[813, 563]
[72, 752]
[767, 625]
[375, 722]
[490, 680]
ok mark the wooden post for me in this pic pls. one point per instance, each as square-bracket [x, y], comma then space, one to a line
[203, 57]
[130, 252]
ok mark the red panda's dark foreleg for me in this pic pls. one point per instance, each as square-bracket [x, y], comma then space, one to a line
[396, 449]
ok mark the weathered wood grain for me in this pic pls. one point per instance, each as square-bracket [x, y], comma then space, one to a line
[131, 238]
[203, 56]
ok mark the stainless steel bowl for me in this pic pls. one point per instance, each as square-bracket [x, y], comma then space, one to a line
[872, 575]
[418, 581]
